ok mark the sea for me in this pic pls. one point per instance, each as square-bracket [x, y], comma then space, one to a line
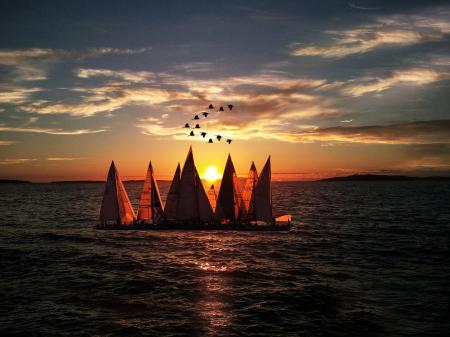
[362, 259]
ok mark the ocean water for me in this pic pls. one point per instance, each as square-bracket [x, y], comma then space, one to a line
[362, 259]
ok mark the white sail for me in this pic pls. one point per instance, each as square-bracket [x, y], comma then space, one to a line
[150, 205]
[229, 195]
[248, 195]
[263, 195]
[170, 209]
[116, 206]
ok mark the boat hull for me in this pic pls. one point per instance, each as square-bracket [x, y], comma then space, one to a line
[191, 227]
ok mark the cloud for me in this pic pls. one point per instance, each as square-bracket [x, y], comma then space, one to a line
[4, 128]
[108, 99]
[194, 67]
[32, 64]
[6, 142]
[397, 30]
[17, 95]
[126, 75]
[16, 161]
[410, 77]
[63, 159]
[423, 132]
[260, 94]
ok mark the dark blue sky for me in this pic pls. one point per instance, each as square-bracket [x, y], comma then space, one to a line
[363, 77]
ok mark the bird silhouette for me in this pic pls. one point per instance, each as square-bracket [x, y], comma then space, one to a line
[192, 133]
[204, 113]
[219, 137]
[186, 125]
[203, 134]
[230, 106]
[197, 126]
[211, 106]
[221, 108]
[210, 141]
[196, 117]
[229, 141]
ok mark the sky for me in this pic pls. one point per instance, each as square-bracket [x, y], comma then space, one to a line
[327, 88]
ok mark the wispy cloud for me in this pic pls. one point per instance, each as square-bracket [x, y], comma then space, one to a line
[194, 67]
[126, 75]
[32, 64]
[398, 30]
[4, 128]
[423, 132]
[63, 158]
[408, 77]
[16, 161]
[6, 142]
[17, 95]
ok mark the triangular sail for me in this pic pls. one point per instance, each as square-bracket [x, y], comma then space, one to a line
[229, 194]
[187, 202]
[170, 209]
[212, 197]
[248, 195]
[150, 205]
[263, 195]
[116, 206]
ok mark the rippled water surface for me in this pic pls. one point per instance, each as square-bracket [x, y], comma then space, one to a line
[363, 259]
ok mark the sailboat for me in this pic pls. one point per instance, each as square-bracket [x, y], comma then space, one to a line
[116, 207]
[193, 206]
[188, 206]
[229, 194]
[150, 206]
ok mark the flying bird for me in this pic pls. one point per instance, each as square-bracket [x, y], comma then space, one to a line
[204, 113]
[192, 133]
[197, 126]
[186, 125]
[196, 117]
[219, 137]
[210, 141]
[221, 108]
[229, 141]
[211, 106]
[230, 106]
[203, 134]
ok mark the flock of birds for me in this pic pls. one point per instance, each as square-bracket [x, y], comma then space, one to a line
[205, 115]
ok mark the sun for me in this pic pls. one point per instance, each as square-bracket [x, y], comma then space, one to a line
[211, 174]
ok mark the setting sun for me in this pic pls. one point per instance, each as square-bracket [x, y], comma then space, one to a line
[211, 174]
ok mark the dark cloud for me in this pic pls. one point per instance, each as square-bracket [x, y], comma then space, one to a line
[423, 132]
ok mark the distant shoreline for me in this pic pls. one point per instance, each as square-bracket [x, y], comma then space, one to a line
[354, 177]
[383, 177]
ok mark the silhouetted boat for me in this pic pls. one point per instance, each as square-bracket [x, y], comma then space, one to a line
[150, 206]
[116, 208]
[189, 207]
